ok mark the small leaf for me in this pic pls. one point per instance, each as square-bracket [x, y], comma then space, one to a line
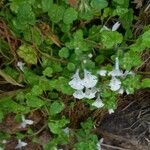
[33, 101]
[57, 125]
[145, 83]
[109, 38]
[70, 15]
[99, 4]
[48, 72]
[56, 107]
[27, 53]
[56, 13]
[64, 52]
[9, 79]
[71, 66]
[46, 5]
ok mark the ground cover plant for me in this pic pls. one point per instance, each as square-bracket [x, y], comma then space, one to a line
[63, 60]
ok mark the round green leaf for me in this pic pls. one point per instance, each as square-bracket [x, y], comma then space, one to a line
[70, 15]
[64, 52]
[56, 107]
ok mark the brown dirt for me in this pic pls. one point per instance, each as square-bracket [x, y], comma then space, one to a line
[129, 127]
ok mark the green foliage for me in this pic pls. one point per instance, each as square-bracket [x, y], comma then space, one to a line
[69, 15]
[99, 4]
[27, 53]
[33, 101]
[56, 126]
[56, 13]
[130, 60]
[145, 83]
[142, 42]
[55, 38]
[48, 72]
[110, 39]
[56, 107]
[46, 5]
[64, 53]
[86, 140]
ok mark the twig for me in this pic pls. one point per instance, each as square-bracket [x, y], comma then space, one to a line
[113, 147]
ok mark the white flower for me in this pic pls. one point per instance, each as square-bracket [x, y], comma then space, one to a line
[121, 91]
[20, 144]
[20, 65]
[102, 72]
[111, 111]
[116, 72]
[115, 84]
[98, 103]
[66, 130]
[4, 141]
[25, 122]
[76, 82]
[115, 26]
[90, 93]
[90, 55]
[89, 80]
[79, 94]
[98, 145]
[84, 61]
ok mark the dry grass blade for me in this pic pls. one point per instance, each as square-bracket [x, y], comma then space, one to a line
[9, 79]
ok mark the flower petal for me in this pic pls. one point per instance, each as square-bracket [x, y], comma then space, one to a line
[111, 111]
[29, 122]
[76, 82]
[90, 93]
[98, 103]
[89, 79]
[115, 26]
[79, 94]
[20, 144]
[102, 72]
[115, 84]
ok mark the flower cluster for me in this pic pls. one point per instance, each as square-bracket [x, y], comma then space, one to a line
[116, 74]
[85, 88]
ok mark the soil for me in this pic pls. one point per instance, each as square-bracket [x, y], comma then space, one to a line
[129, 127]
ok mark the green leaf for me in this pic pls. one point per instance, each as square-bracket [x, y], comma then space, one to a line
[70, 15]
[145, 83]
[71, 66]
[1, 116]
[130, 60]
[142, 42]
[36, 90]
[123, 3]
[110, 39]
[56, 13]
[48, 72]
[64, 52]
[57, 125]
[46, 5]
[25, 16]
[131, 83]
[9, 79]
[99, 4]
[33, 101]
[27, 53]
[8, 105]
[56, 107]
